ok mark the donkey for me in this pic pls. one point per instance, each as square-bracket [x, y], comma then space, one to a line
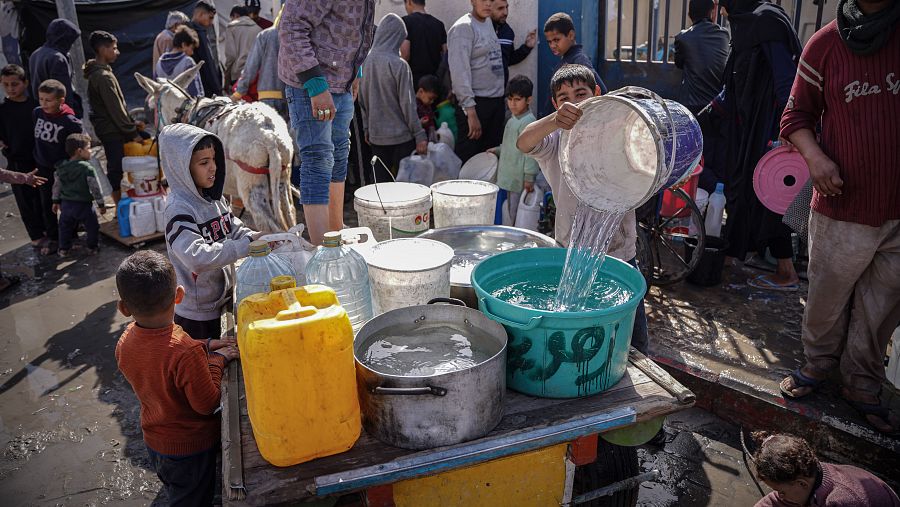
[258, 147]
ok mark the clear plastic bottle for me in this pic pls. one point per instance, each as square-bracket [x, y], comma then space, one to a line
[715, 211]
[445, 135]
[345, 271]
[256, 273]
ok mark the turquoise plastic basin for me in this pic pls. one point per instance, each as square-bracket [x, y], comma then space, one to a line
[559, 354]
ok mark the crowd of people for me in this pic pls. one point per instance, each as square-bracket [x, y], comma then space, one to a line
[836, 100]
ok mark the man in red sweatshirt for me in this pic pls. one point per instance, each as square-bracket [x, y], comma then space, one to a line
[849, 80]
[176, 378]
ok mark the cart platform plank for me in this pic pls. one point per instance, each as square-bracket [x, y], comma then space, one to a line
[645, 392]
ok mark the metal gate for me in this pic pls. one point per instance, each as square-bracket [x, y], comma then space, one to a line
[631, 41]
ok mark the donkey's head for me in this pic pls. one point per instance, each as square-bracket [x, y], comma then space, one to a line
[167, 97]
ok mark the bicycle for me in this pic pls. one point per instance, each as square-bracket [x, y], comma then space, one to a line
[670, 238]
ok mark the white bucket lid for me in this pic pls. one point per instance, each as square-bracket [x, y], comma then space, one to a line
[464, 188]
[410, 255]
[482, 167]
[391, 195]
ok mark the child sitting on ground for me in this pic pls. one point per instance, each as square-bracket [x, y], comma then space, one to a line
[176, 378]
[515, 171]
[74, 188]
[426, 95]
[570, 85]
[789, 466]
[178, 60]
[386, 98]
[203, 237]
[53, 122]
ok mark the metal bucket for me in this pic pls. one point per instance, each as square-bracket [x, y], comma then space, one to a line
[472, 244]
[559, 354]
[394, 209]
[629, 145]
[408, 272]
[464, 202]
[423, 412]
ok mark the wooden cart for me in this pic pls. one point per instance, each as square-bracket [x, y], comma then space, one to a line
[529, 459]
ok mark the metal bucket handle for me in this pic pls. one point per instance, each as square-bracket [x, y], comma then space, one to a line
[450, 301]
[531, 324]
[407, 391]
[638, 92]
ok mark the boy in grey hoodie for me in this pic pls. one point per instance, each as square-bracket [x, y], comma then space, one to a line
[203, 237]
[387, 98]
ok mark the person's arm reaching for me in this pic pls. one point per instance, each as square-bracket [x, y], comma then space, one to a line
[565, 118]
[192, 250]
[199, 376]
[522, 52]
[404, 49]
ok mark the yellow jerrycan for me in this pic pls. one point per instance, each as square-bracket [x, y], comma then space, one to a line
[297, 356]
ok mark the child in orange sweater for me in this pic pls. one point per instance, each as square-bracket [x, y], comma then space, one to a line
[176, 378]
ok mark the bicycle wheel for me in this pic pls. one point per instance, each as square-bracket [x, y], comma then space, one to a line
[669, 243]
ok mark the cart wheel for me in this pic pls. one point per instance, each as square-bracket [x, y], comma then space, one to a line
[614, 463]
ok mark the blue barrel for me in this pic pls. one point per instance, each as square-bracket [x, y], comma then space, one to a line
[559, 354]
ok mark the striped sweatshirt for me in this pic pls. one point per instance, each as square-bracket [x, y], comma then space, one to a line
[857, 100]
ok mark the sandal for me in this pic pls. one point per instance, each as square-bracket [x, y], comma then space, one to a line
[800, 381]
[763, 283]
[867, 410]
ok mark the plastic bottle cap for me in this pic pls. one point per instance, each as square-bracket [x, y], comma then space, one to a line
[332, 239]
[259, 248]
[282, 282]
[720, 188]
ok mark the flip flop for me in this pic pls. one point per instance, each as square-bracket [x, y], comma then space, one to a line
[872, 409]
[800, 380]
[763, 283]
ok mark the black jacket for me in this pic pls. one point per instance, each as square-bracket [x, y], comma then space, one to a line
[51, 61]
[210, 74]
[511, 55]
[701, 52]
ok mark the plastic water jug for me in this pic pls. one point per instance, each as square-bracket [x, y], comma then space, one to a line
[529, 213]
[344, 270]
[701, 199]
[256, 272]
[299, 374]
[416, 169]
[715, 211]
[159, 209]
[123, 210]
[145, 148]
[445, 135]
[142, 218]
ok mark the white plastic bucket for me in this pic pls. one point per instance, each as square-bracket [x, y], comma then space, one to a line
[408, 272]
[529, 212]
[464, 202]
[629, 145]
[393, 210]
[142, 218]
[141, 175]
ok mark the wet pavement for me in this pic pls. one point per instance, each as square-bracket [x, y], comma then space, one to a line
[69, 422]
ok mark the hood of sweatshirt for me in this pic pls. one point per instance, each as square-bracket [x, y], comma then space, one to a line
[64, 110]
[92, 67]
[61, 34]
[169, 61]
[242, 21]
[176, 145]
[69, 171]
[390, 34]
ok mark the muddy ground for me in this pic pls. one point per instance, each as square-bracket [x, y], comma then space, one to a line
[69, 422]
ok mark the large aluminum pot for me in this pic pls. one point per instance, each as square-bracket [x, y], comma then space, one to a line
[472, 244]
[423, 412]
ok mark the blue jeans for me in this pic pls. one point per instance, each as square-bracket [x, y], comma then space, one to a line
[324, 145]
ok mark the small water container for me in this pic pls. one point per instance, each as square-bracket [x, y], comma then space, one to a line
[123, 210]
[299, 374]
[416, 169]
[344, 270]
[142, 218]
[445, 135]
[141, 176]
[159, 209]
[529, 213]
